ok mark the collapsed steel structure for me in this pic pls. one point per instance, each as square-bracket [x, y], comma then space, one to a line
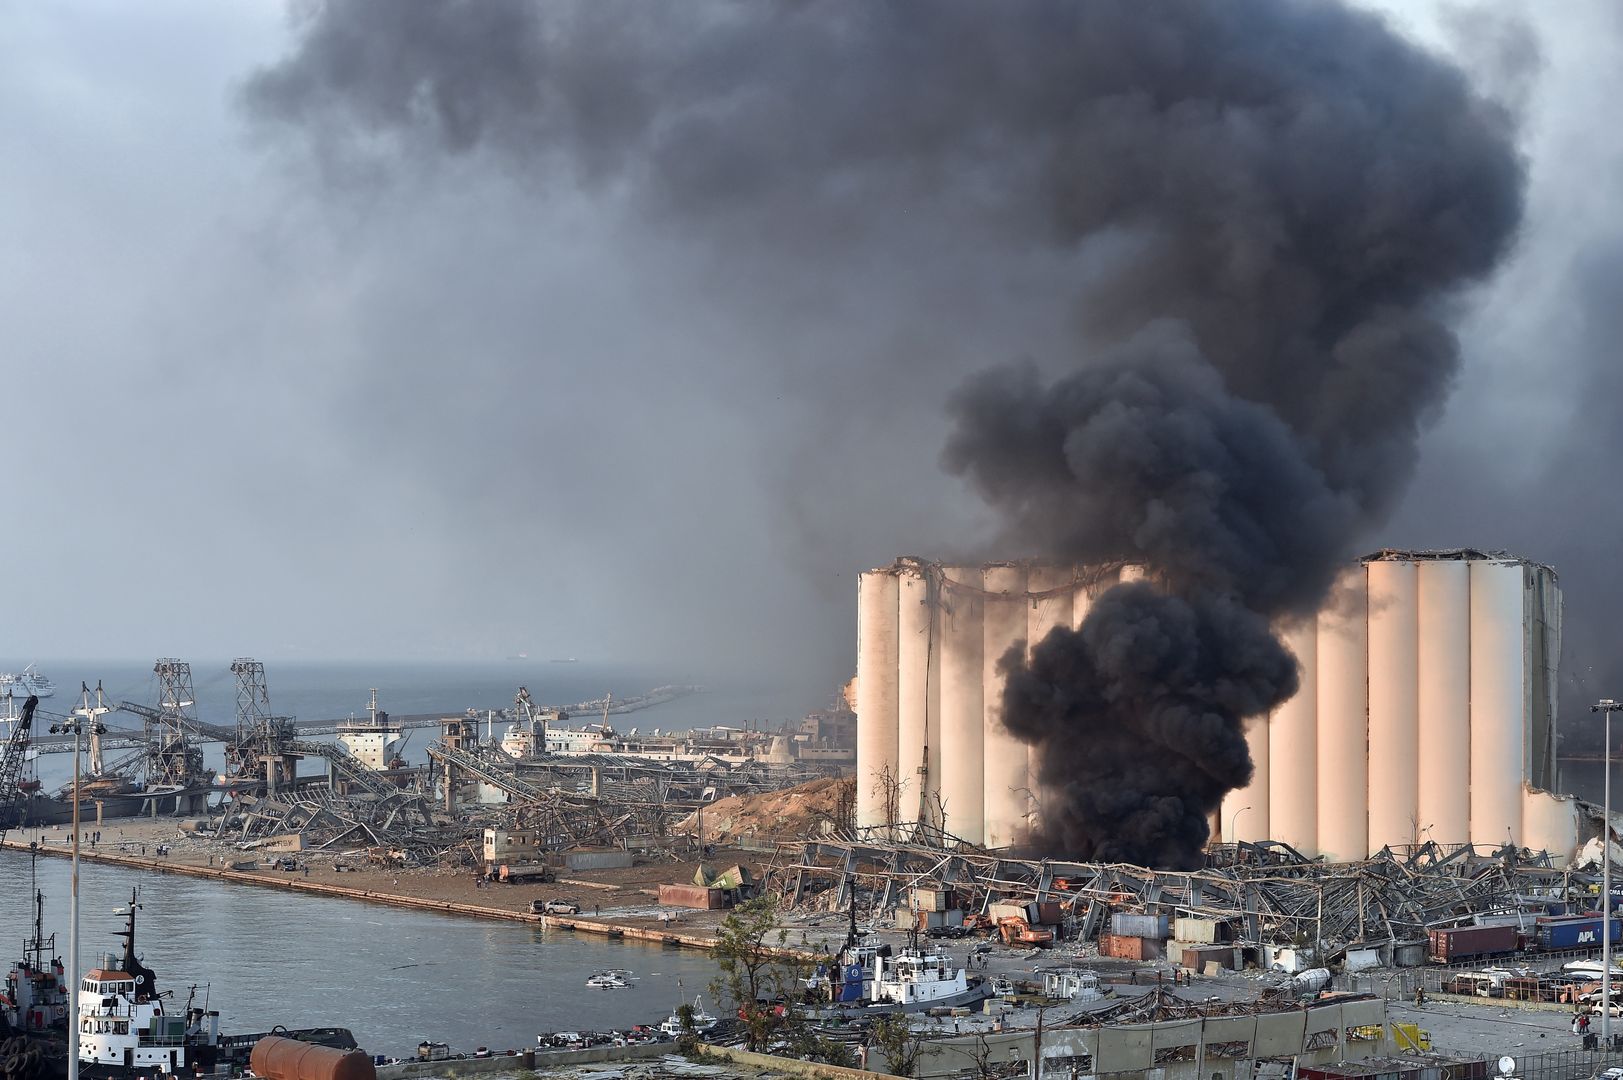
[1268, 892]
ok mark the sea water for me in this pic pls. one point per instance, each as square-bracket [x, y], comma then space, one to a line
[393, 976]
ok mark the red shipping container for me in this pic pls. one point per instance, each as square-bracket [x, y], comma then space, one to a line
[1469, 942]
[1129, 948]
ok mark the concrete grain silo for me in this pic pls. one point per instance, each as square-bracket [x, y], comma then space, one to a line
[1428, 700]
[876, 693]
[1425, 710]
[1006, 778]
[962, 789]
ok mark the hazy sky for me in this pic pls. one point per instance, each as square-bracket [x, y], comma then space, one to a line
[262, 402]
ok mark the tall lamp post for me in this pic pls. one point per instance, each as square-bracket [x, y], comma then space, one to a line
[1234, 825]
[1607, 707]
[85, 717]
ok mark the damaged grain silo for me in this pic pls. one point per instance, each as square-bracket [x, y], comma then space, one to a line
[1426, 707]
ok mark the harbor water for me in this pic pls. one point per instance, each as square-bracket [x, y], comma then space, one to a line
[392, 976]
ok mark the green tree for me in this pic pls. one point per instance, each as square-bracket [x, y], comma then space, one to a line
[759, 974]
[894, 1037]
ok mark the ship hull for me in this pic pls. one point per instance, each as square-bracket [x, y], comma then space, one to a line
[975, 993]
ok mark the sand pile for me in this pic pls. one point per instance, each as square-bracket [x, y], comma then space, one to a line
[810, 809]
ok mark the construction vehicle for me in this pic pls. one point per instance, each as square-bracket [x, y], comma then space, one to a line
[11, 767]
[1015, 931]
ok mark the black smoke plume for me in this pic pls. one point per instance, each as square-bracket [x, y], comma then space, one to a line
[1260, 211]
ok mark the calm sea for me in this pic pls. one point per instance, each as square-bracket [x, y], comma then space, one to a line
[392, 976]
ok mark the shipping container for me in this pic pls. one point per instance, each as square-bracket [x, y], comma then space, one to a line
[598, 860]
[1468, 942]
[1127, 947]
[1144, 926]
[1007, 911]
[1049, 913]
[931, 899]
[692, 896]
[1573, 931]
[1201, 931]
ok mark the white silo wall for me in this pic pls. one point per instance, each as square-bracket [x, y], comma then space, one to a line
[1244, 815]
[1498, 701]
[1343, 713]
[1550, 823]
[1052, 605]
[962, 704]
[1394, 702]
[876, 694]
[1444, 805]
[1293, 750]
[918, 694]
[1007, 780]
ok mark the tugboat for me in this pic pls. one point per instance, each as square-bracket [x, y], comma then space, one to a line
[124, 1030]
[869, 981]
[703, 1022]
[36, 998]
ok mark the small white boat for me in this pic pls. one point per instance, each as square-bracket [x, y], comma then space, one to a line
[608, 980]
[702, 1021]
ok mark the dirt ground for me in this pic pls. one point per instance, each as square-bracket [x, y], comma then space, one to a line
[630, 895]
[793, 813]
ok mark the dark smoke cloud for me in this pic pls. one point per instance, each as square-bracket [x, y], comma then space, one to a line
[1267, 208]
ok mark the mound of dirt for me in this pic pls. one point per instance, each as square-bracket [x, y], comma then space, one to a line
[810, 809]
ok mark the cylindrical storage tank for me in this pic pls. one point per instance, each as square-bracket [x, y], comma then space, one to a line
[962, 703]
[276, 1058]
[1053, 593]
[1007, 785]
[1343, 714]
[1244, 815]
[1394, 702]
[1498, 701]
[1550, 823]
[1444, 800]
[918, 692]
[1293, 750]
[876, 697]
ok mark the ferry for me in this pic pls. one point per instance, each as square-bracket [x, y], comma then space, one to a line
[25, 683]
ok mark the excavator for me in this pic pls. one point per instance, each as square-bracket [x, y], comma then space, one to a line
[1015, 931]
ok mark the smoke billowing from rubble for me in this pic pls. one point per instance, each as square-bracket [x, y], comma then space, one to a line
[1271, 204]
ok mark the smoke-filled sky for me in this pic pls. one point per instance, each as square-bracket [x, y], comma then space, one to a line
[280, 387]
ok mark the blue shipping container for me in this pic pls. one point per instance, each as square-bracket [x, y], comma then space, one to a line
[1575, 933]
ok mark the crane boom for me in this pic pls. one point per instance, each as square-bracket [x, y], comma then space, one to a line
[11, 766]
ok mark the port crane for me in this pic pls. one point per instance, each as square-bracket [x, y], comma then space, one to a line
[11, 766]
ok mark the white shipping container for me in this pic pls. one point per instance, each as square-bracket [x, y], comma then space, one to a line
[1202, 931]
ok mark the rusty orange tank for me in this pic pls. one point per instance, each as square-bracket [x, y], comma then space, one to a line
[276, 1058]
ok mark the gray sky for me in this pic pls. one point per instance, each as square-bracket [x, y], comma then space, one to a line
[260, 407]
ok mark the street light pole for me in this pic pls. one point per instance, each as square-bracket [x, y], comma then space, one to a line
[1606, 706]
[1234, 825]
[85, 715]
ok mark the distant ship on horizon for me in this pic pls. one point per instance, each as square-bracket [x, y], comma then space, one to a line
[28, 681]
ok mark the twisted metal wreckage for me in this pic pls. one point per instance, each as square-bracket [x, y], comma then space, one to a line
[587, 801]
[1268, 892]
